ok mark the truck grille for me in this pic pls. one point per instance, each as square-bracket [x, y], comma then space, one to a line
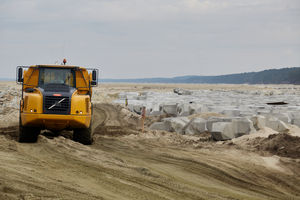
[56, 105]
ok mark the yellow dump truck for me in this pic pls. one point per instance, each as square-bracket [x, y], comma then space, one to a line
[56, 98]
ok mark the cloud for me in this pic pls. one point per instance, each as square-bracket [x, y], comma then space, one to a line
[151, 37]
[128, 10]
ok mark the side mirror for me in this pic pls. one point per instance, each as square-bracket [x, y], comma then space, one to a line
[94, 75]
[20, 74]
[94, 78]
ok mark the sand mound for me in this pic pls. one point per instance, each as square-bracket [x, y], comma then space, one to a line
[124, 163]
[279, 144]
[114, 120]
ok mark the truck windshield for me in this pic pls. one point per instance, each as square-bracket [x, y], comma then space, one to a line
[57, 76]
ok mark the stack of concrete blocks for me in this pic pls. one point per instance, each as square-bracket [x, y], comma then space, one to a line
[182, 125]
[220, 128]
[237, 105]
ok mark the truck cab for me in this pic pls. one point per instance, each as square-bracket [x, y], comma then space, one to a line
[56, 98]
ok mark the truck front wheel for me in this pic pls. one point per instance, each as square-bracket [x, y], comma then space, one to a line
[28, 134]
[83, 135]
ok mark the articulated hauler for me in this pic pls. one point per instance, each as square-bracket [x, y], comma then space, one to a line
[56, 98]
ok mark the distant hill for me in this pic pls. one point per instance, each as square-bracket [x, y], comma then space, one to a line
[271, 76]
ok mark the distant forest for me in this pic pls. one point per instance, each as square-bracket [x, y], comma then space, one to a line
[271, 76]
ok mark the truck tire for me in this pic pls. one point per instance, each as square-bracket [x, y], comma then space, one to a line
[28, 134]
[83, 135]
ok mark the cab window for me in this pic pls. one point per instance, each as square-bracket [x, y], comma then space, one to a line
[56, 76]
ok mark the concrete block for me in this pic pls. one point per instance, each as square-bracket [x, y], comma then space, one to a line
[296, 122]
[196, 126]
[176, 124]
[247, 113]
[169, 109]
[277, 125]
[155, 113]
[213, 120]
[160, 126]
[141, 97]
[230, 130]
[222, 131]
[243, 126]
[281, 116]
[176, 90]
[136, 108]
[259, 121]
[183, 109]
[231, 113]
[180, 91]
[295, 118]
[195, 108]
[263, 112]
[128, 95]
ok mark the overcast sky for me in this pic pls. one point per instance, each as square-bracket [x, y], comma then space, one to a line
[151, 38]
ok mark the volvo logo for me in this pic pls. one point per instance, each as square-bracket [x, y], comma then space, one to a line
[57, 103]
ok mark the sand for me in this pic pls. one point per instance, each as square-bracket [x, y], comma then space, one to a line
[124, 163]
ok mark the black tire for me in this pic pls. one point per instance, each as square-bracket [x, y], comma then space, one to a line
[83, 135]
[28, 134]
[55, 133]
